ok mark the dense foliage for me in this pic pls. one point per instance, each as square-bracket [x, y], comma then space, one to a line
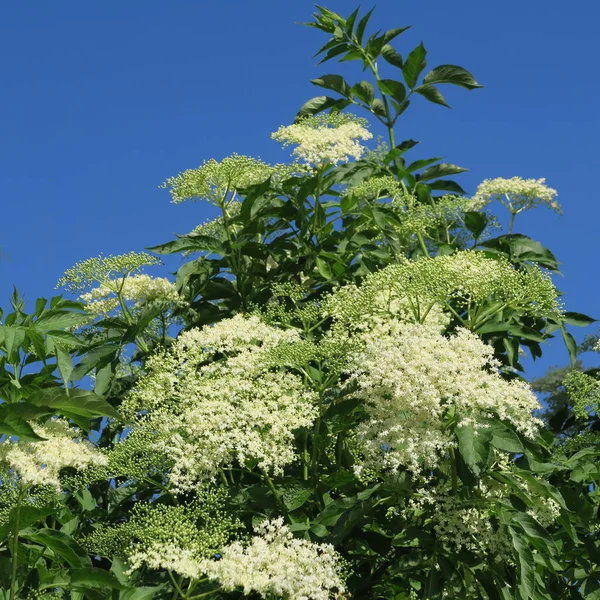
[327, 402]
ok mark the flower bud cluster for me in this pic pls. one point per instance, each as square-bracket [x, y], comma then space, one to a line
[216, 181]
[103, 269]
[417, 286]
[175, 538]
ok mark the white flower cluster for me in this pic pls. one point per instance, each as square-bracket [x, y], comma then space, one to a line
[166, 556]
[325, 138]
[276, 563]
[410, 375]
[516, 193]
[139, 289]
[40, 463]
[209, 411]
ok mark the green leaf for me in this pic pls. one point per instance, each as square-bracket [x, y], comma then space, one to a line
[414, 65]
[93, 577]
[78, 402]
[578, 319]
[434, 585]
[13, 338]
[406, 145]
[257, 197]
[475, 222]
[527, 586]
[62, 545]
[391, 56]
[390, 34]
[316, 105]
[392, 88]
[295, 495]
[362, 24]
[324, 268]
[419, 164]
[570, 343]
[432, 94]
[16, 426]
[364, 91]
[28, 516]
[333, 82]
[378, 108]
[474, 447]
[520, 248]
[139, 593]
[441, 170]
[61, 320]
[335, 51]
[505, 439]
[451, 74]
[446, 185]
[413, 537]
[350, 21]
[64, 362]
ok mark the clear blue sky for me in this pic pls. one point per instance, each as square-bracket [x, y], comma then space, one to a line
[102, 101]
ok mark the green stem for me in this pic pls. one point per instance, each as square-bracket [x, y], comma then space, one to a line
[223, 477]
[176, 586]
[339, 449]
[277, 497]
[422, 243]
[203, 595]
[15, 544]
[305, 457]
[512, 222]
[477, 325]
[315, 450]
[317, 195]
[462, 321]
[453, 467]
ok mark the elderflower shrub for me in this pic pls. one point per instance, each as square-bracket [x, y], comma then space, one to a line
[277, 564]
[217, 182]
[103, 269]
[409, 376]
[326, 138]
[139, 289]
[40, 463]
[212, 400]
[516, 194]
